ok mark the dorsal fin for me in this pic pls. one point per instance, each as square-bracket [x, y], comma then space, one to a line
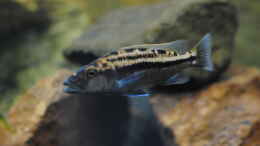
[180, 46]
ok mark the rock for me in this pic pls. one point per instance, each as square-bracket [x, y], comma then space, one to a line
[164, 22]
[223, 114]
[98, 120]
[25, 115]
[45, 116]
[253, 136]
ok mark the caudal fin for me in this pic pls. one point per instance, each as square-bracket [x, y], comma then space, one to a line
[204, 52]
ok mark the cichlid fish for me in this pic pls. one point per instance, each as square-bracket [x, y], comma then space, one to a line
[134, 69]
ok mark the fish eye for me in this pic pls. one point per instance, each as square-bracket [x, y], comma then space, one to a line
[91, 72]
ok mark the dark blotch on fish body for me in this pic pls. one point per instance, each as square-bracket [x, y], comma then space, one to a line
[161, 51]
[130, 50]
[104, 64]
[175, 53]
[114, 53]
[137, 56]
[142, 49]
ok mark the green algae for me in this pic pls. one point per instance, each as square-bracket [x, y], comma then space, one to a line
[5, 124]
[37, 54]
[247, 42]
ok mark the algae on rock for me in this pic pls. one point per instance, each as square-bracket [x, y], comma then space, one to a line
[28, 54]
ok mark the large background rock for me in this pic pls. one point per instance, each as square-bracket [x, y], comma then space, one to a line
[164, 22]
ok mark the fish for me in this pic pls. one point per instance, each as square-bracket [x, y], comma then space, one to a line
[134, 70]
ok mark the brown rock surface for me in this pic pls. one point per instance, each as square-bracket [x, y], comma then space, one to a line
[28, 110]
[253, 137]
[224, 114]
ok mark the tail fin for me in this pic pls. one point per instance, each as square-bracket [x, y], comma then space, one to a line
[204, 50]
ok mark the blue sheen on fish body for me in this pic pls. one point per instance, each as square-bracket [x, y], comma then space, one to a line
[137, 95]
[129, 79]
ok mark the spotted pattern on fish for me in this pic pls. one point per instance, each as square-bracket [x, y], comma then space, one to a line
[142, 58]
[130, 50]
[148, 65]
[114, 53]
[142, 49]
[161, 51]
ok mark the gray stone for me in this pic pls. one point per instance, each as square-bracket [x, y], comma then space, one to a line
[164, 22]
[100, 120]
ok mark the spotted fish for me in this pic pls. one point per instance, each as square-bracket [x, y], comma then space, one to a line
[134, 69]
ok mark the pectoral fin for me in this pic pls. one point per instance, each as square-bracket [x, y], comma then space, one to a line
[129, 79]
[176, 80]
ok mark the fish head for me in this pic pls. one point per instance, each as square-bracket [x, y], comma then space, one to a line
[88, 79]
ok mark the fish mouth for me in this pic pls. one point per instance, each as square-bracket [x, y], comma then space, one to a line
[71, 88]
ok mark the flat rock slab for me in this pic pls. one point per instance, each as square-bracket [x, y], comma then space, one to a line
[163, 22]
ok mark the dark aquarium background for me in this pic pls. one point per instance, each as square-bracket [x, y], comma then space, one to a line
[36, 34]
